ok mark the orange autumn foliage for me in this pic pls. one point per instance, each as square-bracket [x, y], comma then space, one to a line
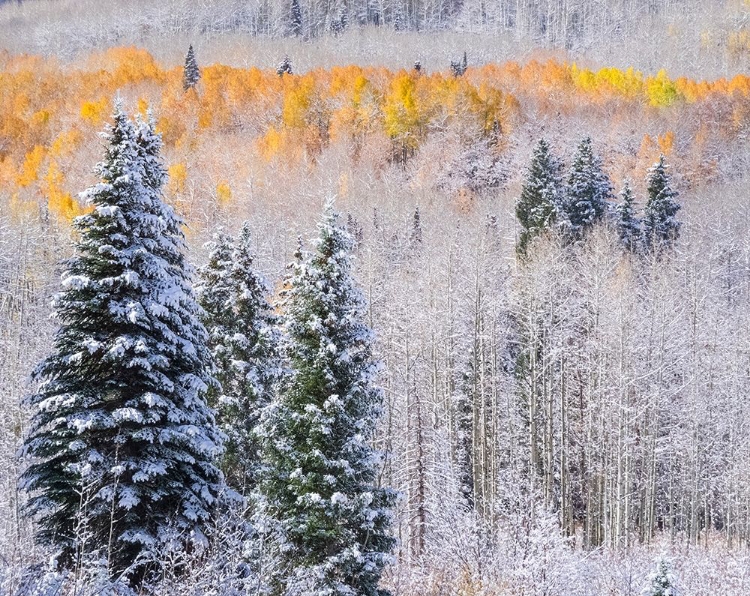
[49, 112]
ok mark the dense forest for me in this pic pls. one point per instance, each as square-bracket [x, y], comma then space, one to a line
[466, 321]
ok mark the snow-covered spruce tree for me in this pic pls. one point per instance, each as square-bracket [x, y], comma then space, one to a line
[628, 224]
[191, 74]
[660, 582]
[319, 481]
[415, 233]
[459, 68]
[296, 18]
[464, 400]
[587, 194]
[285, 67]
[660, 225]
[539, 203]
[244, 344]
[120, 408]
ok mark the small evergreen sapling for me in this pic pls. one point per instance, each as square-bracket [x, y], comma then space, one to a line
[660, 582]
[120, 409]
[660, 226]
[538, 206]
[628, 224]
[319, 484]
[285, 67]
[191, 74]
[459, 68]
[244, 345]
[415, 233]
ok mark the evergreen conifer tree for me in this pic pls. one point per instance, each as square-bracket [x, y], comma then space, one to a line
[296, 18]
[398, 18]
[319, 481]
[463, 413]
[338, 24]
[588, 192]
[660, 582]
[122, 443]
[538, 206]
[244, 344]
[355, 229]
[628, 224]
[415, 234]
[285, 67]
[459, 68]
[191, 74]
[660, 225]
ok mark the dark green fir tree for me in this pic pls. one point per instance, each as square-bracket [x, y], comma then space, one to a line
[243, 340]
[539, 203]
[296, 18]
[627, 222]
[661, 582]
[587, 194]
[191, 73]
[660, 225]
[285, 67]
[122, 444]
[319, 486]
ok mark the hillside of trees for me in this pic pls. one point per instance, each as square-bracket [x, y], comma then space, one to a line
[696, 38]
[445, 323]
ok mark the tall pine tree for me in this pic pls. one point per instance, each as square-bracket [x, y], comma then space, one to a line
[191, 74]
[296, 18]
[319, 484]
[588, 192]
[628, 224]
[244, 344]
[122, 444]
[660, 226]
[538, 205]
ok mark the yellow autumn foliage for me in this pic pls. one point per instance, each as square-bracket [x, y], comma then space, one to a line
[59, 202]
[177, 175]
[50, 114]
[223, 193]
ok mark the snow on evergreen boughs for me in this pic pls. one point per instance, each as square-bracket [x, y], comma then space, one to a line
[319, 484]
[588, 192]
[285, 67]
[296, 18]
[192, 73]
[661, 581]
[243, 341]
[415, 233]
[628, 224]
[660, 225]
[464, 401]
[459, 67]
[339, 23]
[122, 443]
[539, 204]
[91, 579]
